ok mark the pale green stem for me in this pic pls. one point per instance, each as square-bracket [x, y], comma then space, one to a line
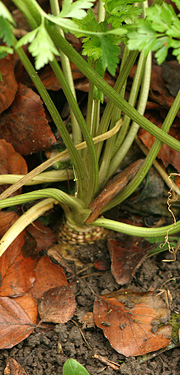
[27, 218]
[42, 178]
[133, 230]
[108, 167]
[87, 191]
[116, 161]
[75, 209]
[66, 67]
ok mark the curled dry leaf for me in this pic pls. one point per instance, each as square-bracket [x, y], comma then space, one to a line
[48, 275]
[8, 84]
[15, 323]
[130, 319]
[13, 368]
[126, 257]
[57, 305]
[24, 124]
[113, 187]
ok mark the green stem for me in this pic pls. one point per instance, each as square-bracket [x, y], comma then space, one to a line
[133, 230]
[75, 209]
[42, 178]
[117, 159]
[77, 138]
[110, 92]
[109, 165]
[110, 106]
[75, 156]
[86, 192]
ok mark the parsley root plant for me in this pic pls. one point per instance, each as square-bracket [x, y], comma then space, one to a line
[98, 144]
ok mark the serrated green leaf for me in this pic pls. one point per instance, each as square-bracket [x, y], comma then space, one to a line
[42, 48]
[4, 51]
[72, 367]
[110, 54]
[76, 10]
[177, 2]
[4, 12]
[161, 54]
[28, 38]
[161, 17]
[5, 32]
[174, 30]
[143, 38]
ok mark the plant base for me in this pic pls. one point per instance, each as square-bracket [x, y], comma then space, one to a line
[82, 236]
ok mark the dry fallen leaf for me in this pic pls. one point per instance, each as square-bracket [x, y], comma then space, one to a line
[57, 305]
[8, 84]
[126, 257]
[13, 368]
[15, 323]
[130, 319]
[113, 187]
[43, 235]
[48, 275]
[166, 153]
[24, 124]
[11, 162]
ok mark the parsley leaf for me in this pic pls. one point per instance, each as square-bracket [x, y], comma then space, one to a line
[41, 45]
[158, 32]
[76, 9]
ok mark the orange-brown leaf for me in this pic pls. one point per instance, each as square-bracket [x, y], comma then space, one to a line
[8, 84]
[48, 275]
[126, 257]
[129, 320]
[15, 324]
[24, 124]
[57, 305]
[11, 162]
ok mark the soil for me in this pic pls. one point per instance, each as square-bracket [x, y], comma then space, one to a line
[47, 349]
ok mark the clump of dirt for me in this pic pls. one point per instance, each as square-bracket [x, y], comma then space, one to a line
[47, 349]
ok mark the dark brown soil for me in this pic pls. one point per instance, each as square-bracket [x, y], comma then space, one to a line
[40, 354]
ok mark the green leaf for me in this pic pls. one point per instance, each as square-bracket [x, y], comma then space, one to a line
[72, 9]
[28, 38]
[72, 367]
[110, 54]
[4, 12]
[4, 51]
[177, 2]
[143, 38]
[6, 32]
[41, 46]
[161, 17]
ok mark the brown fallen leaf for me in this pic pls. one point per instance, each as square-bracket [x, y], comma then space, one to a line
[13, 368]
[48, 275]
[8, 84]
[126, 257]
[11, 162]
[113, 187]
[130, 319]
[57, 305]
[43, 235]
[16, 271]
[15, 323]
[166, 153]
[24, 124]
